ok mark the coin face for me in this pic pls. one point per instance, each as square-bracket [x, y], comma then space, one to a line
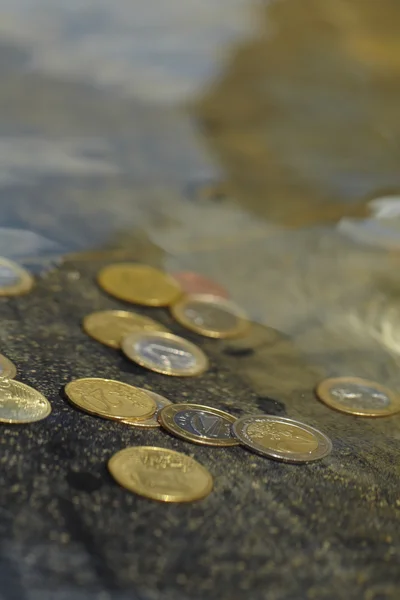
[19, 403]
[110, 399]
[111, 326]
[160, 474]
[139, 284]
[357, 396]
[282, 439]
[194, 283]
[165, 353]
[153, 422]
[199, 424]
[7, 368]
[14, 280]
[210, 316]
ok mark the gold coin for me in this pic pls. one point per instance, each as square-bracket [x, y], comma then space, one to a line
[357, 396]
[165, 353]
[14, 280]
[7, 368]
[19, 403]
[210, 315]
[151, 423]
[199, 424]
[160, 474]
[110, 399]
[111, 326]
[139, 284]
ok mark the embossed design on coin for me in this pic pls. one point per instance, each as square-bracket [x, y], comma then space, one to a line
[194, 283]
[199, 424]
[281, 438]
[153, 422]
[160, 474]
[14, 280]
[165, 353]
[110, 399]
[210, 316]
[140, 284]
[7, 368]
[357, 396]
[110, 327]
[19, 403]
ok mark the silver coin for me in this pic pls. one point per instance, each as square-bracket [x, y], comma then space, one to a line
[160, 401]
[20, 403]
[165, 353]
[282, 439]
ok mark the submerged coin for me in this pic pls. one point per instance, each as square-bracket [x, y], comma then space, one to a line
[165, 353]
[160, 474]
[111, 326]
[140, 284]
[14, 280]
[110, 399]
[357, 396]
[7, 368]
[160, 401]
[210, 316]
[199, 424]
[282, 439]
[19, 403]
[194, 283]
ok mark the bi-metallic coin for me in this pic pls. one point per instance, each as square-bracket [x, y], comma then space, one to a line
[19, 403]
[153, 422]
[14, 280]
[7, 369]
[110, 327]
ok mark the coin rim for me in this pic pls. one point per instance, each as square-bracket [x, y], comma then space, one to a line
[96, 414]
[323, 440]
[224, 293]
[153, 422]
[322, 392]
[243, 324]
[23, 286]
[9, 368]
[102, 281]
[166, 420]
[136, 358]
[43, 416]
[162, 497]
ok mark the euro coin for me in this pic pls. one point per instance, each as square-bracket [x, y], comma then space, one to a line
[14, 279]
[151, 423]
[7, 369]
[111, 326]
[19, 403]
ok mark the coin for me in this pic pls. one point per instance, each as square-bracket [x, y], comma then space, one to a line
[357, 396]
[160, 401]
[111, 326]
[199, 424]
[210, 316]
[110, 399]
[194, 283]
[7, 368]
[160, 474]
[282, 439]
[19, 403]
[14, 280]
[165, 353]
[140, 284]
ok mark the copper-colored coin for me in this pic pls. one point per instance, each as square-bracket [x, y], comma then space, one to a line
[357, 396]
[110, 399]
[160, 474]
[14, 279]
[210, 315]
[153, 422]
[110, 327]
[139, 284]
[7, 368]
[194, 283]
[20, 403]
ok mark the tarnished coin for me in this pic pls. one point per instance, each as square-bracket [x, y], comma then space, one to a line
[210, 316]
[139, 284]
[160, 401]
[357, 396]
[199, 424]
[194, 283]
[19, 403]
[110, 399]
[7, 368]
[282, 439]
[160, 474]
[14, 280]
[111, 326]
[165, 353]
